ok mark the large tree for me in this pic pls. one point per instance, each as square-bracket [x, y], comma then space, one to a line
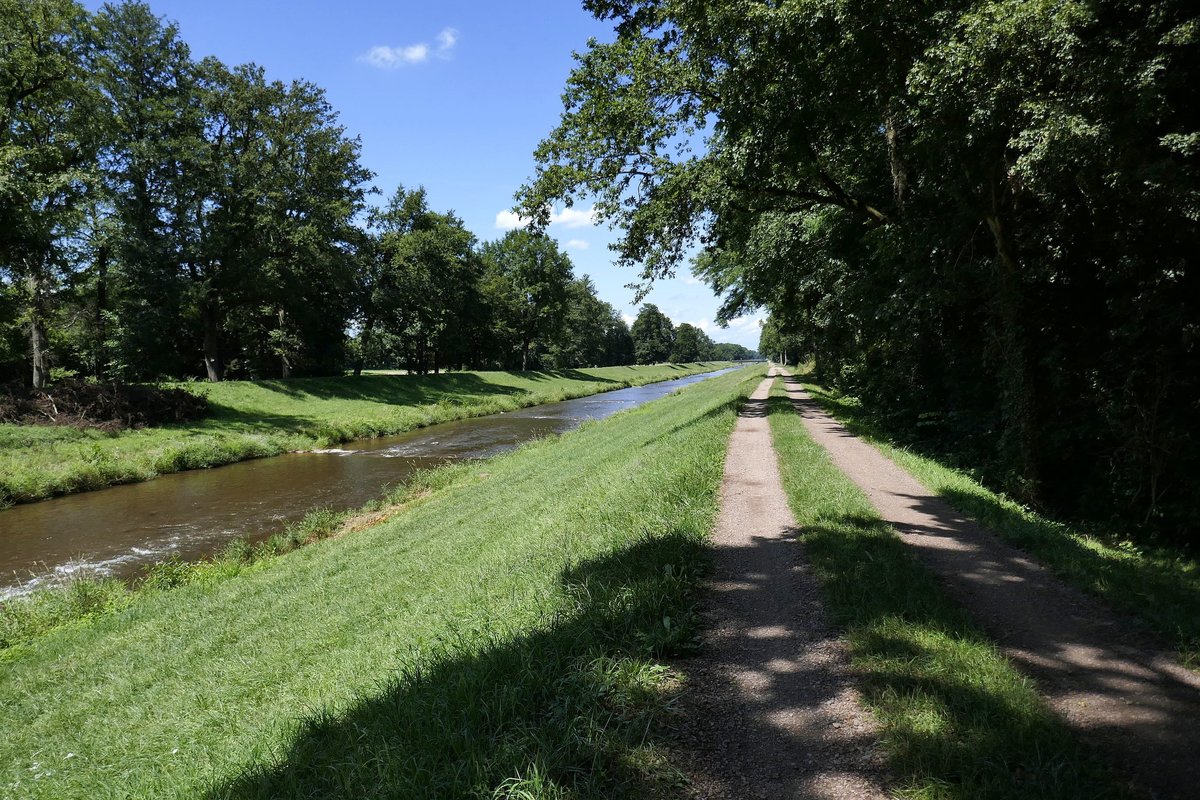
[653, 335]
[535, 276]
[982, 210]
[48, 140]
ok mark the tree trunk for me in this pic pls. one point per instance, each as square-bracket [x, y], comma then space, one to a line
[39, 349]
[364, 341]
[210, 318]
[524, 355]
[101, 304]
[1018, 389]
[891, 128]
[285, 364]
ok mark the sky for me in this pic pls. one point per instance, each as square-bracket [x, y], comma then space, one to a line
[452, 95]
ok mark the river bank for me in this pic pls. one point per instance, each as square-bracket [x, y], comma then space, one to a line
[504, 632]
[253, 419]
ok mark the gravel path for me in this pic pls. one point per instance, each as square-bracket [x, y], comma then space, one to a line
[1107, 679]
[771, 711]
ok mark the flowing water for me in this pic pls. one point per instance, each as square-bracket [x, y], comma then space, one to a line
[120, 530]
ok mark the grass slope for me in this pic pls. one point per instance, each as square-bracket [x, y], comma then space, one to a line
[1158, 586]
[958, 721]
[497, 639]
[252, 419]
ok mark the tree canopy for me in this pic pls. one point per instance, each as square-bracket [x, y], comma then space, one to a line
[979, 213]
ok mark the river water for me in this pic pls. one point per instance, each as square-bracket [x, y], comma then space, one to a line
[120, 530]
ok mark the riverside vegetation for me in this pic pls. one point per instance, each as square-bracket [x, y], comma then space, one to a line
[264, 418]
[501, 636]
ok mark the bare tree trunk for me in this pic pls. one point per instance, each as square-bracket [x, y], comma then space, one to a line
[39, 349]
[891, 129]
[1018, 386]
[210, 317]
[101, 305]
[285, 364]
[524, 355]
[364, 342]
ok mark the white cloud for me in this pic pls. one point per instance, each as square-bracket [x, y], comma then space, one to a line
[386, 57]
[567, 218]
[577, 244]
[629, 319]
[574, 218]
[692, 280]
[507, 221]
[446, 41]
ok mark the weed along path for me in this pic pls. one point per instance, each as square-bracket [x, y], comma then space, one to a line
[1106, 679]
[772, 712]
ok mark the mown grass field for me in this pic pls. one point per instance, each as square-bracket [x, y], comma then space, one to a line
[958, 721]
[500, 638]
[265, 418]
[1159, 586]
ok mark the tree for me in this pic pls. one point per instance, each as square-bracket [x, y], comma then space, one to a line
[691, 344]
[653, 336]
[966, 210]
[47, 151]
[535, 276]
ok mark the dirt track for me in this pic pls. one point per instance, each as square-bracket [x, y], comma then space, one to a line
[1121, 690]
[771, 712]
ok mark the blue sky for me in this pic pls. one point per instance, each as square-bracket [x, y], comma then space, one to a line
[452, 95]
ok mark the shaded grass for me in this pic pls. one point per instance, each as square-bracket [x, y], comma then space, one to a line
[1159, 586]
[500, 638]
[958, 720]
[252, 419]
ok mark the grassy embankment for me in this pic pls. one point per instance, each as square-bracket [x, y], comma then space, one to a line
[500, 637]
[958, 720]
[1158, 586]
[265, 418]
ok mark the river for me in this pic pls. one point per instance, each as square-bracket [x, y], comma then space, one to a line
[120, 530]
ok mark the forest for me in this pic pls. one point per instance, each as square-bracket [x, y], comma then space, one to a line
[163, 217]
[979, 217]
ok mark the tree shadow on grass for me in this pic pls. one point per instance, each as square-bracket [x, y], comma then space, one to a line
[564, 708]
[952, 717]
[394, 389]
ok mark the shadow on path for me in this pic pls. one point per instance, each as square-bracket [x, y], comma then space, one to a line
[1102, 674]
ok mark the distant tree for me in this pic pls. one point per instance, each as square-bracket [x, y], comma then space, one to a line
[653, 335]
[727, 351]
[531, 283]
[691, 344]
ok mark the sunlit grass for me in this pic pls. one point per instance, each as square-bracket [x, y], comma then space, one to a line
[264, 418]
[501, 638]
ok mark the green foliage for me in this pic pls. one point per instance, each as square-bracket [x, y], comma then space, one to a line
[982, 211]
[653, 336]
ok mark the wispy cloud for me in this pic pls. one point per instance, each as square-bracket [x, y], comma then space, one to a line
[387, 57]
[567, 218]
[577, 244]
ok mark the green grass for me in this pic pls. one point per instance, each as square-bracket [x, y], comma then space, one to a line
[958, 720]
[252, 419]
[500, 638]
[1158, 586]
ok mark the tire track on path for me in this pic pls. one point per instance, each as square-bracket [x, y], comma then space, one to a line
[1109, 680]
[771, 711]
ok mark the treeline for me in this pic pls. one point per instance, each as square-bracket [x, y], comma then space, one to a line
[163, 217]
[979, 216]
[657, 340]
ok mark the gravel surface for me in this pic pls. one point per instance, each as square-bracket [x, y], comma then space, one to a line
[1106, 676]
[771, 711]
